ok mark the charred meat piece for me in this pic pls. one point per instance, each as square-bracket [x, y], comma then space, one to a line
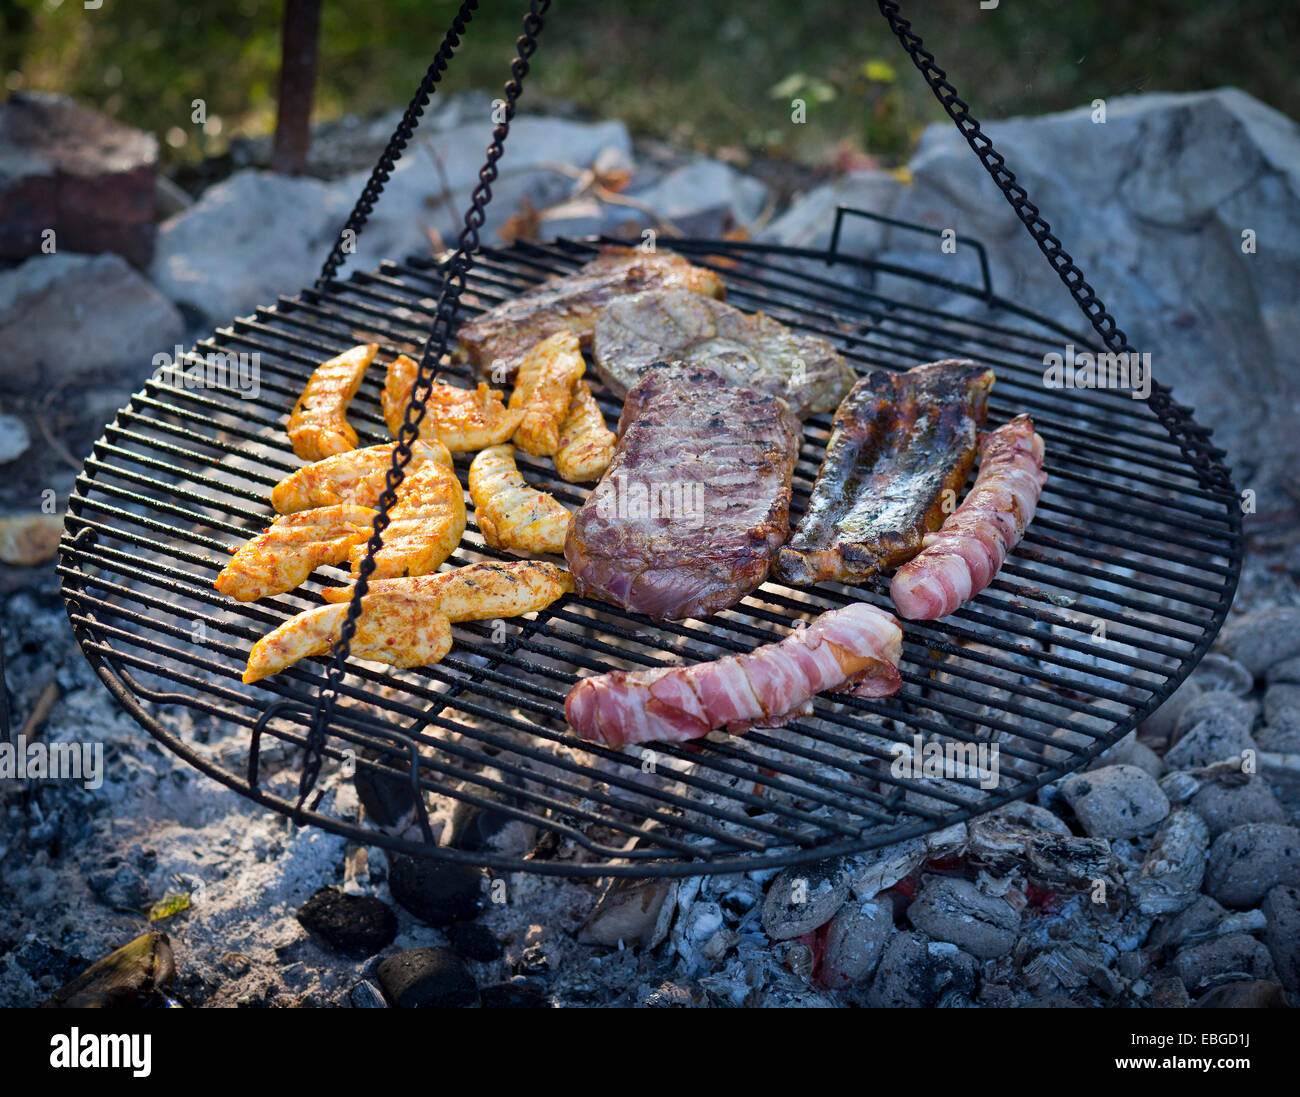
[854, 649]
[696, 499]
[498, 341]
[754, 351]
[902, 446]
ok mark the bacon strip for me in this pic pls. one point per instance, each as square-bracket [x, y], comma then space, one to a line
[854, 649]
[963, 557]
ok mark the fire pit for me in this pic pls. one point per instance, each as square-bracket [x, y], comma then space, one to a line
[1112, 598]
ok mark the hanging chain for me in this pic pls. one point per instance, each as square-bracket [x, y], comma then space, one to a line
[453, 285]
[1212, 473]
[374, 187]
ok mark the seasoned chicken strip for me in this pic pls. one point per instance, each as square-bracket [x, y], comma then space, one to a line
[461, 419]
[394, 628]
[510, 514]
[586, 444]
[425, 526]
[353, 477]
[318, 426]
[478, 592]
[292, 548]
[544, 390]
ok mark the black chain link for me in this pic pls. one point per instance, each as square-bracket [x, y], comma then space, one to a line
[1190, 438]
[453, 285]
[374, 187]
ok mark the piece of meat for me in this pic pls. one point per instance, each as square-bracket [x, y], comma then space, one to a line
[478, 592]
[586, 444]
[294, 546]
[318, 425]
[696, 499]
[425, 525]
[855, 649]
[498, 340]
[353, 477]
[463, 420]
[510, 513]
[750, 351]
[543, 391]
[902, 446]
[963, 557]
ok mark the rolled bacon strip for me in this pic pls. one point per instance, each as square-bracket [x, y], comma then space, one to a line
[854, 649]
[961, 559]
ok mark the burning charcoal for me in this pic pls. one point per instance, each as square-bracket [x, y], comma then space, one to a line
[855, 941]
[915, 971]
[872, 872]
[631, 912]
[353, 925]
[1212, 740]
[365, 995]
[427, 978]
[1174, 867]
[1222, 672]
[474, 941]
[955, 910]
[1225, 709]
[1131, 751]
[1161, 723]
[1223, 805]
[119, 883]
[1282, 935]
[1263, 638]
[1116, 802]
[514, 995]
[949, 842]
[137, 974]
[1057, 862]
[1286, 671]
[436, 892]
[1196, 922]
[1070, 965]
[669, 995]
[476, 828]
[1282, 704]
[801, 899]
[1180, 787]
[1223, 960]
[1280, 739]
[1252, 994]
[1249, 860]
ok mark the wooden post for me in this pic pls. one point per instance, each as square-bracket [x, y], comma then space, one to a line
[298, 44]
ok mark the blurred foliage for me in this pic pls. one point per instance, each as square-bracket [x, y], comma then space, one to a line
[715, 74]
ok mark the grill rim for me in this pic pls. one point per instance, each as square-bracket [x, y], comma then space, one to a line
[1201, 461]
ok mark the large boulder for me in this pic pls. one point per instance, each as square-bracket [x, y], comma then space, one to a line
[70, 169]
[1152, 204]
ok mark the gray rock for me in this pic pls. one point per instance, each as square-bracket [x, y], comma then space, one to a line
[427, 978]
[1262, 638]
[1247, 861]
[1225, 805]
[1161, 723]
[1247, 994]
[1212, 740]
[801, 899]
[1288, 670]
[955, 910]
[14, 438]
[1282, 704]
[1224, 708]
[1223, 960]
[1221, 672]
[855, 941]
[705, 198]
[1281, 907]
[807, 223]
[1174, 867]
[1116, 802]
[66, 316]
[916, 972]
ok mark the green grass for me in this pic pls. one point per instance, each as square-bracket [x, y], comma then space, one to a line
[698, 72]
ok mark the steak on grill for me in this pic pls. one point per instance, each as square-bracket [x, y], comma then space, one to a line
[498, 340]
[695, 501]
[752, 351]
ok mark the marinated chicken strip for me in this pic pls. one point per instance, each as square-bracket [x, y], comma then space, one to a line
[499, 340]
[463, 420]
[901, 449]
[854, 649]
[425, 526]
[543, 391]
[394, 628]
[511, 514]
[478, 592]
[586, 444]
[402, 620]
[963, 557]
[353, 477]
[318, 426]
[292, 548]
